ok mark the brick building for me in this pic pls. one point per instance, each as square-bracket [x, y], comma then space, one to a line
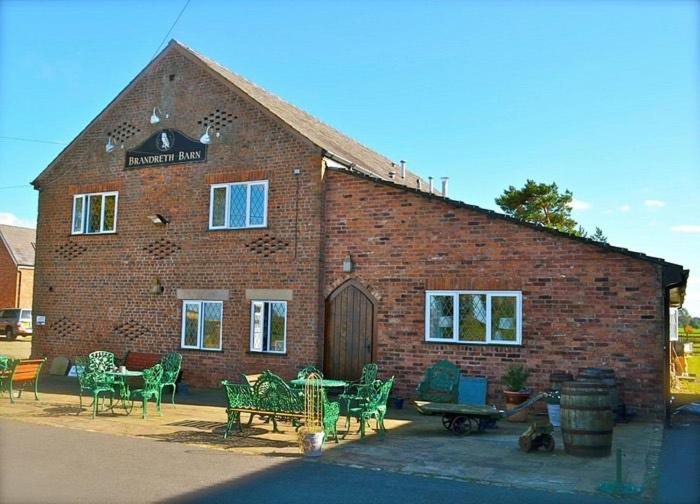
[17, 246]
[275, 241]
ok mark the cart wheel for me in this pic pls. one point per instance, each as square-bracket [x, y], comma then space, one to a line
[447, 421]
[548, 442]
[461, 425]
[525, 443]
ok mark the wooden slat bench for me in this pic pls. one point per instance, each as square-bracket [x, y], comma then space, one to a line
[20, 372]
[138, 361]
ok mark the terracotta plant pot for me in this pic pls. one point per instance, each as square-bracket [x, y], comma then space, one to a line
[513, 399]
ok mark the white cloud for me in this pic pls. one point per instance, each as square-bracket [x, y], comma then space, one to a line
[579, 205]
[686, 228]
[12, 220]
[654, 203]
[625, 208]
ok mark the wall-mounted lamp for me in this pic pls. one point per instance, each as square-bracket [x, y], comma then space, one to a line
[348, 264]
[205, 138]
[154, 117]
[158, 219]
[109, 146]
[157, 287]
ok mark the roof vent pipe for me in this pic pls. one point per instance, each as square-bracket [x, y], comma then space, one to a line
[444, 186]
[430, 185]
[403, 169]
[418, 184]
[392, 175]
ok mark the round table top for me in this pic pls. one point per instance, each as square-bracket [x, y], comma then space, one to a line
[324, 382]
[125, 373]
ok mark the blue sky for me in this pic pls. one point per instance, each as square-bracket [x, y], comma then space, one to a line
[598, 96]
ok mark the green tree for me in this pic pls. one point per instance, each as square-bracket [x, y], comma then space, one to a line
[541, 204]
[599, 236]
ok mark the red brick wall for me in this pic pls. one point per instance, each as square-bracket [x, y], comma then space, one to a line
[26, 287]
[8, 279]
[88, 287]
[582, 306]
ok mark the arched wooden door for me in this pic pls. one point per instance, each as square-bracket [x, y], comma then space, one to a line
[350, 329]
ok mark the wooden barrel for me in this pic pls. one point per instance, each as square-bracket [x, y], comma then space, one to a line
[586, 419]
[605, 377]
[556, 379]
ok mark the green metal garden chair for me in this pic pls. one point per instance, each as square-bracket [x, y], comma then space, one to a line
[93, 381]
[171, 363]
[150, 390]
[306, 371]
[359, 390]
[331, 412]
[373, 407]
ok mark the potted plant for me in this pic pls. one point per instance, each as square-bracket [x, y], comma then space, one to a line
[515, 392]
[553, 407]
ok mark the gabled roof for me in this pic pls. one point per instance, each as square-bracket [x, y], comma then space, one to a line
[331, 141]
[20, 243]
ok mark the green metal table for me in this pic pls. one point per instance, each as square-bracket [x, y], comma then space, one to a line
[121, 380]
[325, 383]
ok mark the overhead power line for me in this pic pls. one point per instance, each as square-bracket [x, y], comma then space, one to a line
[171, 29]
[35, 140]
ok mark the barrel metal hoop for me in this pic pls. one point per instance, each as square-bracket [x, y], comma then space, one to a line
[587, 432]
[586, 408]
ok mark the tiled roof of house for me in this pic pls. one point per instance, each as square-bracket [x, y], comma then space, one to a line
[315, 130]
[20, 243]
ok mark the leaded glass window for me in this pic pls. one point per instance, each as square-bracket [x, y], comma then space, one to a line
[268, 326]
[218, 207]
[441, 316]
[239, 205]
[94, 213]
[201, 325]
[474, 317]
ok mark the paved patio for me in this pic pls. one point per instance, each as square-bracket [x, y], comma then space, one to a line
[414, 444]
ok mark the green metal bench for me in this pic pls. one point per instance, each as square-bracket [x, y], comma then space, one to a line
[440, 384]
[271, 398]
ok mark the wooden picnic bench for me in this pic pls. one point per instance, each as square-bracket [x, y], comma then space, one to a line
[20, 372]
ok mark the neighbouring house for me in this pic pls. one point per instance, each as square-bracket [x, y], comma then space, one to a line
[17, 246]
[199, 213]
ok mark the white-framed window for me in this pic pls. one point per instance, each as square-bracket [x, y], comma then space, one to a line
[95, 213]
[201, 325]
[238, 205]
[268, 326]
[481, 317]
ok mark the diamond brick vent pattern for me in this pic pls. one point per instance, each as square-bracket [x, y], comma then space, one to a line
[64, 328]
[130, 330]
[69, 250]
[162, 248]
[123, 132]
[266, 245]
[217, 120]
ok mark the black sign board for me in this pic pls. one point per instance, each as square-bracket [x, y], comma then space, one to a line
[166, 147]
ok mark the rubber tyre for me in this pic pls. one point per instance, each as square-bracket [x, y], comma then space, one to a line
[10, 333]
